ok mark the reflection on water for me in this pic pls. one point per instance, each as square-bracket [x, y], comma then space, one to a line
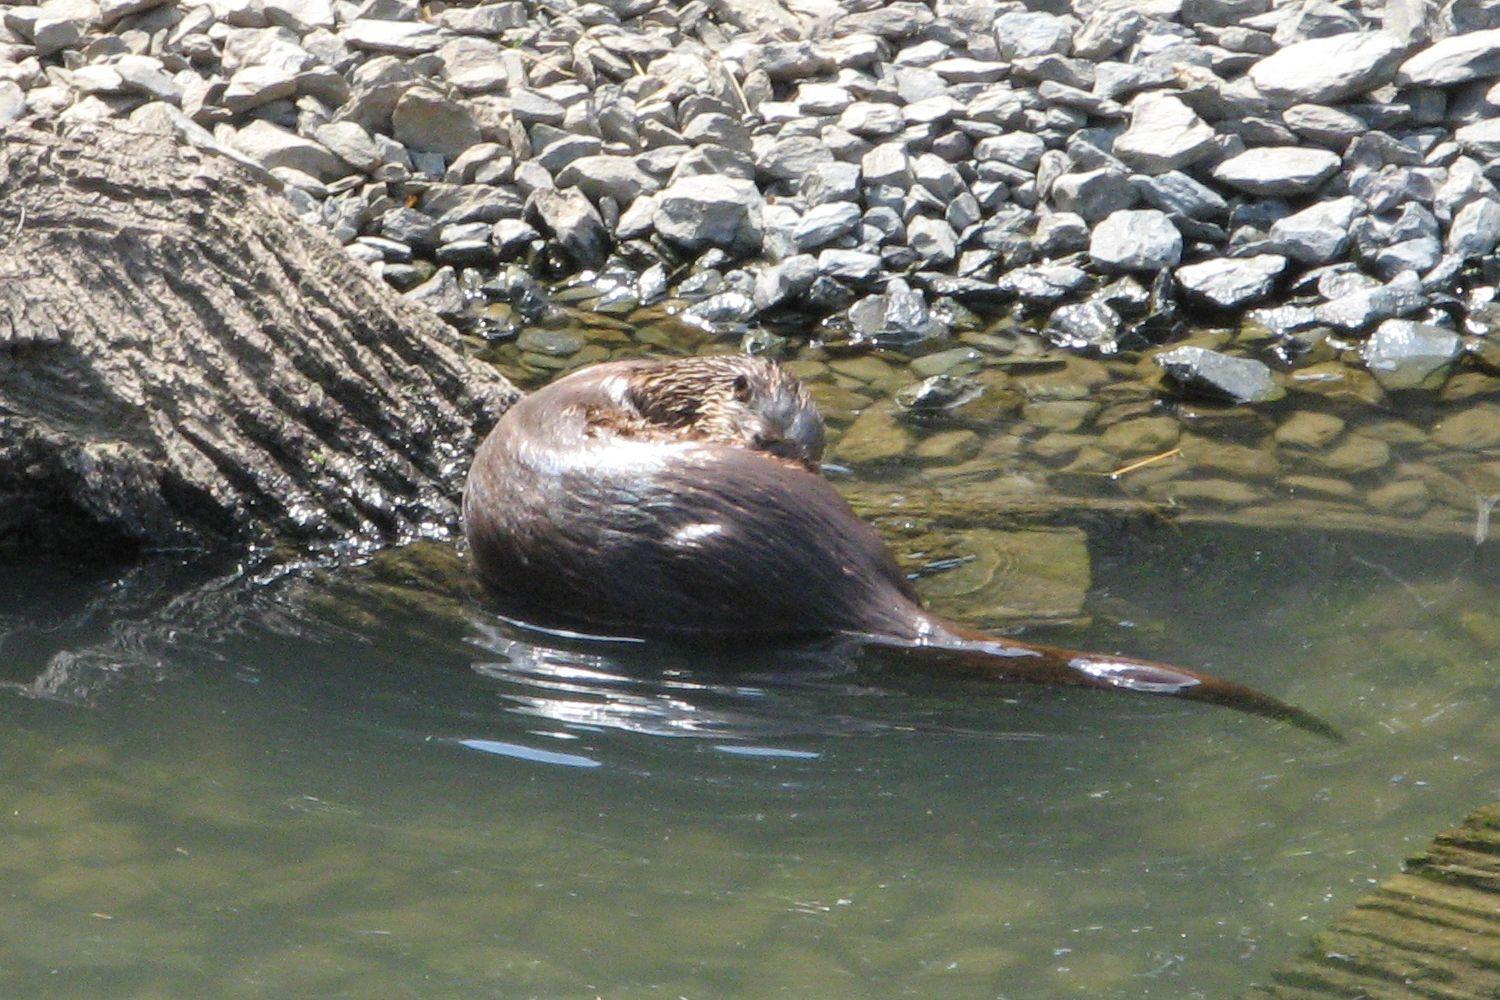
[362, 783]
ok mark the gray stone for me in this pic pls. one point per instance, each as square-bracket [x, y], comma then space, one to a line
[696, 213]
[441, 294]
[898, 318]
[785, 280]
[573, 224]
[615, 177]
[350, 143]
[1180, 195]
[1277, 171]
[938, 176]
[1108, 29]
[849, 266]
[1017, 149]
[1084, 325]
[1061, 233]
[530, 107]
[406, 38]
[1329, 126]
[1364, 307]
[272, 146]
[888, 164]
[1402, 354]
[1143, 240]
[1093, 194]
[933, 240]
[1231, 283]
[1455, 59]
[1328, 70]
[563, 148]
[1481, 140]
[792, 158]
[1043, 284]
[1475, 229]
[831, 183]
[871, 120]
[12, 102]
[1318, 234]
[427, 120]
[511, 237]
[1164, 134]
[822, 224]
[474, 65]
[1022, 34]
[1219, 376]
[256, 85]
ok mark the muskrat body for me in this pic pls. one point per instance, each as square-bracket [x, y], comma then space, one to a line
[681, 499]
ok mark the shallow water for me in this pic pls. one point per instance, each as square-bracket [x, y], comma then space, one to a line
[364, 784]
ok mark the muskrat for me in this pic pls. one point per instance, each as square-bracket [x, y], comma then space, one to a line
[682, 499]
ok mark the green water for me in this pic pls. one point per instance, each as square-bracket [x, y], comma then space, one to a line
[363, 784]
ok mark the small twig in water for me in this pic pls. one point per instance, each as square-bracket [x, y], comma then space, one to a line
[1145, 462]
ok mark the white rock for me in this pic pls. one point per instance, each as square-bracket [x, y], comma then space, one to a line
[1456, 59]
[708, 211]
[1136, 240]
[1164, 134]
[273, 146]
[1328, 70]
[406, 38]
[1278, 171]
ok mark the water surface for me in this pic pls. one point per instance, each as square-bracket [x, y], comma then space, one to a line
[363, 783]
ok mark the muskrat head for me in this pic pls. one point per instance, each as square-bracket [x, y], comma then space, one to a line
[736, 399]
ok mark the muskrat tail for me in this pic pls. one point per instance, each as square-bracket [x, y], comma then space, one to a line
[975, 654]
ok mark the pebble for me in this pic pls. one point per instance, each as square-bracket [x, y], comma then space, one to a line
[1278, 171]
[1330, 69]
[1232, 284]
[1219, 376]
[1403, 354]
[1144, 240]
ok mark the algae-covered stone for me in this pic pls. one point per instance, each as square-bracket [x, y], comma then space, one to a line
[875, 436]
[1060, 414]
[948, 447]
[555, 343]
[1475, 428]
[1309, 430]
[1145, 436]
[1237, 460]
[1355, 455]
[1337, 381]
[1011, 574]
[1405, 496]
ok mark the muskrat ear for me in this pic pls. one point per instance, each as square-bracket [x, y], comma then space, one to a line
[742, 388]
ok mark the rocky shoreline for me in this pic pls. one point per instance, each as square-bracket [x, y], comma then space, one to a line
[1103, 169]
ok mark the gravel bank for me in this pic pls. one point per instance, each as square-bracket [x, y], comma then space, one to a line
[1103, 167]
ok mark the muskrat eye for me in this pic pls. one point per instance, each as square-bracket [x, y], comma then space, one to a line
[742, 388]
